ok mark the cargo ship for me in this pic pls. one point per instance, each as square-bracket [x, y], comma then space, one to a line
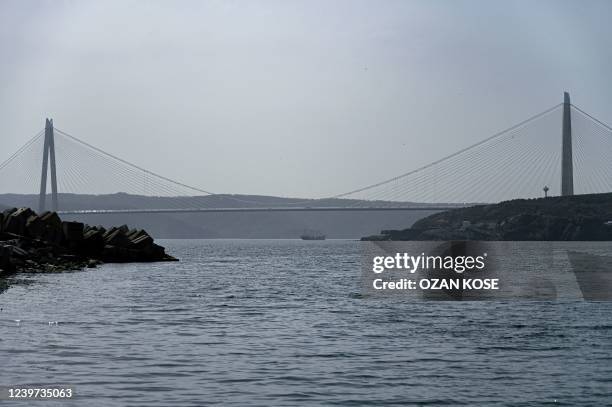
[312, 235]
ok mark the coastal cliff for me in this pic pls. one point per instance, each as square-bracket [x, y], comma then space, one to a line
[30, 242]
[567, 218]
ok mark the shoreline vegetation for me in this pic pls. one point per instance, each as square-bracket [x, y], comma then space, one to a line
[37, 243]
[564, 218]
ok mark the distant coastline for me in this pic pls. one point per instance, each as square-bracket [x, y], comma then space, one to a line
[567, 218]
[336, 225]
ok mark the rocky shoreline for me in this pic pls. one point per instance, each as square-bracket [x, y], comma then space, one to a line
[34, 243]
[566, 218]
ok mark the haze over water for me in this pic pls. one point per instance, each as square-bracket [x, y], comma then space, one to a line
[281, 322]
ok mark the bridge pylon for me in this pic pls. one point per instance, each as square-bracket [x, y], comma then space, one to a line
[567, 167]
[48, 158]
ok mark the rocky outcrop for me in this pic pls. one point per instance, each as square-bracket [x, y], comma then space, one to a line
[31, 242]
[568, 218]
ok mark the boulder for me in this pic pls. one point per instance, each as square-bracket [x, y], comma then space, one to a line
[158, 253]
[72, 233]
[35, 227]
[136, 233]
[108, 232]
[116, 238]
[141, 242]
[17, 252]
[52, 227]
[7, 212]
[93, 241]
[89, 228]
[115, 254]
[16, 221]
[92, 263]
[47, 227]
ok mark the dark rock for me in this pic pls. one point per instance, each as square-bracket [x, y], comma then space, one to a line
[93, 241]
[7, 212]
[142, 242]
[116, 254]
[116, 237]
[35, 243]
[73, 231]
[158, 253]
[17, 252]
[35, 227]
[93, 263]
[108, 232]
[136, 233]
[52, 228]
[16, 221]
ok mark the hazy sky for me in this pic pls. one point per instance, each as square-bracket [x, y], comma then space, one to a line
[294, 98]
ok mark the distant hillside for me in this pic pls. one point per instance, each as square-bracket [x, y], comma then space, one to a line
[226, 225]
[578, 217]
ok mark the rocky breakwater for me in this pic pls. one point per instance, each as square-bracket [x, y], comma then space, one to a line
[31, 242]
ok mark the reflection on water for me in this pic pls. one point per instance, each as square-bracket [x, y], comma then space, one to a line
[243, 322]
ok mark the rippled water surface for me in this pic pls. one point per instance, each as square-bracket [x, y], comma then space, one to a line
[246, 322]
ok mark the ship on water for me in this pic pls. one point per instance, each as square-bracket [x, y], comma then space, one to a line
[312, 235]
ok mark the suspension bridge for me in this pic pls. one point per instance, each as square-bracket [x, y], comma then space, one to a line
[562, 150]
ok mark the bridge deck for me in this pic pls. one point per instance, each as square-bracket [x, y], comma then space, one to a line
[269, 209]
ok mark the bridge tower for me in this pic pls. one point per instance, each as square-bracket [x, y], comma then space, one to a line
[567, 169]
[48, 156]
